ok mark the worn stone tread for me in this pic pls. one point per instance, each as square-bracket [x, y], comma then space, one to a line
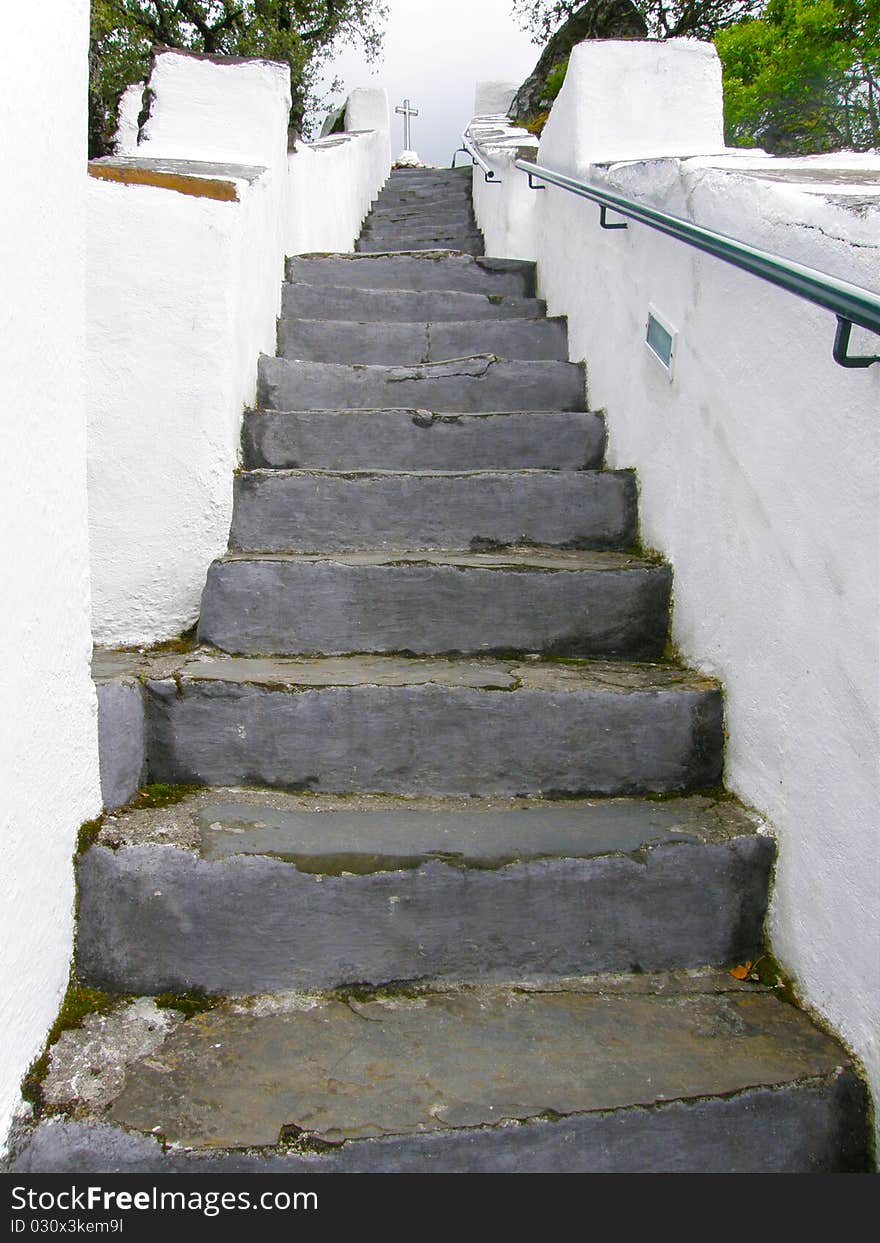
[466, 385]
[533, 600]
[402, 305]
[422, 440]
[492, 1077]
[349, 341]
[328, 511]
[311, 891]
[430, 270]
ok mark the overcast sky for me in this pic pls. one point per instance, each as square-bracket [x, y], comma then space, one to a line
[435, 53]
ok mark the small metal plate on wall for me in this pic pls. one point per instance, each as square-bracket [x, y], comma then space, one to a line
[660, 338]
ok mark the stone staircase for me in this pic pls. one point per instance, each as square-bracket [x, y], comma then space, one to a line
[455, 886]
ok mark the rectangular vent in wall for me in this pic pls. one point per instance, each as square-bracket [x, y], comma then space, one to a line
[660, 339]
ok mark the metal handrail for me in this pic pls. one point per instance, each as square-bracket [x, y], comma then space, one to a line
[470, 149]
[850, 303]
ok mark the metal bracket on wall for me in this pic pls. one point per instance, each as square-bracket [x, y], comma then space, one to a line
[487, 172]
[841, 346]
[603, 220]
[533, 185]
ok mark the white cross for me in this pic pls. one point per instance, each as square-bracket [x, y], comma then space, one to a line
[407, 112]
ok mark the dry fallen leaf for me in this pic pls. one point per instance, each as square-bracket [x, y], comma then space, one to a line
[743, 971]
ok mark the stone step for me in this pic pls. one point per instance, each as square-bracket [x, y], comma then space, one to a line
[430, 177]
[402, 306]
[421, 235]
[407, 440]
[331, 511]
[431, 270]
[346, 341]
[424, 200]
[524, 600]
[403, 215]
[311, 892]
[470, 385]
[671, 1073]
[454, 244]
[398, 725]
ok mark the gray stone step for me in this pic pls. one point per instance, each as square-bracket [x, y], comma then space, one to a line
[402, 306]
[421, 235]
[525, 600]
[417, 244]
[315, 892]
[329, 511]
[403, 216]
[345, 341]
[408, 440]
[470, 385]
[433, 270]
[399, 725]
[424, 200]
[674, 1073]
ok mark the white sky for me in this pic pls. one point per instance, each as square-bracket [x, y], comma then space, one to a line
[435, 53]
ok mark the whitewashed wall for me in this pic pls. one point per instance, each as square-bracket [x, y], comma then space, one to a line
[183, 297]
[757, 464]
[48, 739]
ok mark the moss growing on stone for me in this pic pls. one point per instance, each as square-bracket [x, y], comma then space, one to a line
[160, 794]
[188, 1004]
[79, 1002]
[88, 834]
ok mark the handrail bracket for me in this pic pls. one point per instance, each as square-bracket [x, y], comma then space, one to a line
[603, 219]
[840, 352]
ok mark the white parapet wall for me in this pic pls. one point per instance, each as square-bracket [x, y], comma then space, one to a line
[757, 460]
[187, 237]
[48, 732]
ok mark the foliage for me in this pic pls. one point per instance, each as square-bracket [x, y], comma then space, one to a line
[805, 78]
[301, 32]
[667, 19]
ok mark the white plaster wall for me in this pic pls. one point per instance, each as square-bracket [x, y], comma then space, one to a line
[758, 472]
[218, 108]
[172, 361]
[504, 206]
[48, 737]
[332, 185]
[183, 297]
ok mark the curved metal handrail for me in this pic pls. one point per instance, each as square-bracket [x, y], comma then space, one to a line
[850, 303]
[469, 148]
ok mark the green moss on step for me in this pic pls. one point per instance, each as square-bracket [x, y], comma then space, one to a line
[188, 1004]
[160, 794]
[79, 1002]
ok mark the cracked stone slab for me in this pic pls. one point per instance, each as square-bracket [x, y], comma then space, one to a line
[423, 440]
[88, 1065]
[388, 306]
[346, 341]
[440, 269]
[496, 1078]
[474, 726]
[466, 385]
[309, 892]
[326, 511]
[574, 603]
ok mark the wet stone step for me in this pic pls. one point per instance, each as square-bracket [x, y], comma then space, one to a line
[410, 440]
[525, 600]
[402, 306]
[647, 1074]
[432, 270]
[326, 511]
[313, 892]
[393, 344]
[396, 725]
[469, 385]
